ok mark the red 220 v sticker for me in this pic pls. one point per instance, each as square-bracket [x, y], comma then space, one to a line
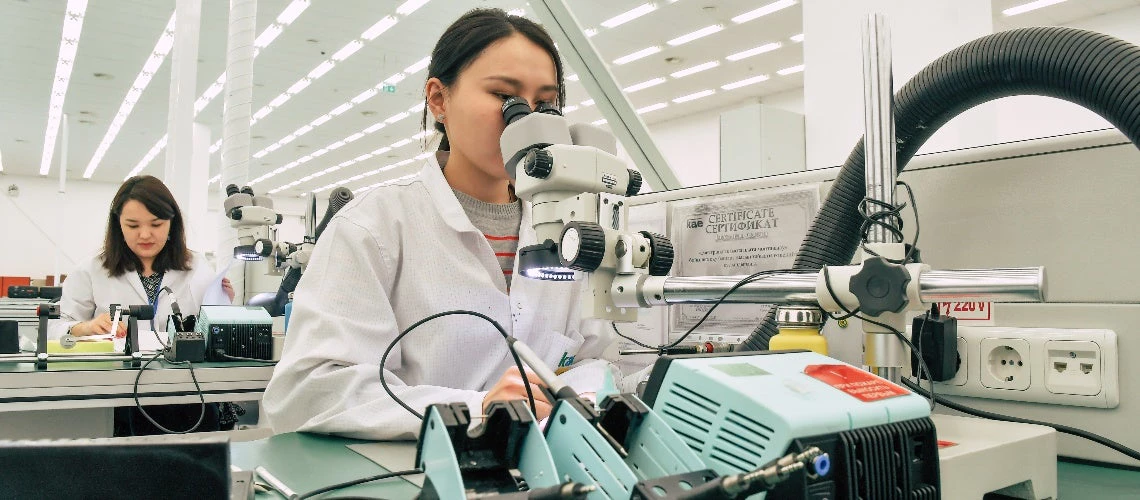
[862, 385]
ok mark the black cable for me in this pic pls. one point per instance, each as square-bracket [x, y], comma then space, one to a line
[502, 331]
[355, 482]
[1017, 420]
[239, 358]
[202, 397]
[631, 339]
[893, 214]
[748, 279]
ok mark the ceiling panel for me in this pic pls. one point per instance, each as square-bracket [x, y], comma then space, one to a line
[118, 36]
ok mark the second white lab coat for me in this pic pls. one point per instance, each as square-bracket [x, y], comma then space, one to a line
[90, 290]
[391, 257]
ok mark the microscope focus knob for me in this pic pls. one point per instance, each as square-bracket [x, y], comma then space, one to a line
[263, 247]
[634, 183]
[880, 287]
[660, 255]
[582, 246]
[538, 163]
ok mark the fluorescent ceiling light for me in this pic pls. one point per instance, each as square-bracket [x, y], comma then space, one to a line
[268, 36]
[216, 146]
[374, 127]
[417, 107]
[517, 12]
[644, 85]
[157, 56]
[747, 81]
[424, 155]
[303, 130]
[569, 109]
[292, 11]
[652, 107]
[320, 120]
[1, 163]
[68, 47]
[598, 122]
[354, 137]
[419, 65]
[1028, 7]
[154, 150]
[321, 69]
[348, 50]
[396, 78]
[215, 178]
[379, 28]
[587, 103]
[397, 117]
[629, 15]
[401, 143]
[382, 150]
[279, 100]
[590, 32]
[694, 96]
[345, 106]
[646, 52]
[797, 38]
[364, 96]
[261, 113]
[788, 71]
[299, 86]
[768, 47]
[695, 69]
[763, 11]
[701, 33]
[573, 77]
[410, 6]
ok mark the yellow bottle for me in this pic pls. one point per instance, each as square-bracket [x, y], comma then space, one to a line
[799, 329]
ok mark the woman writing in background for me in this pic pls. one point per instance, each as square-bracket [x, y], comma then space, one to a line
[144, 261]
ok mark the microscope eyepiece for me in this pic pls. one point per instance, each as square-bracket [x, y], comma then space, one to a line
[515, 108]
[548, 108]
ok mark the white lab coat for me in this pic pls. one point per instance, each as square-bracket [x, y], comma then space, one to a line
[389, 258]
[90, 290]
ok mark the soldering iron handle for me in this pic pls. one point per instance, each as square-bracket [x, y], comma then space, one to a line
[548, 377]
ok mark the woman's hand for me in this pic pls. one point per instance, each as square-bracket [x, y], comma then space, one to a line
[228, 288]
[510, 387]
[98, 326]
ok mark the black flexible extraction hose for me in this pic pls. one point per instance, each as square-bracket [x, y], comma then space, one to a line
[1094, 70]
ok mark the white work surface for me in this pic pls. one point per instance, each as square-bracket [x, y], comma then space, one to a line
[71, 400]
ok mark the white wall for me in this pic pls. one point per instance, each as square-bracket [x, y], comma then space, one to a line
[76, 222]
[1027, 117]
[691, 146]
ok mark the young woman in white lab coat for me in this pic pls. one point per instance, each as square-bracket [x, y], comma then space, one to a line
[144, 261]
[402, 252]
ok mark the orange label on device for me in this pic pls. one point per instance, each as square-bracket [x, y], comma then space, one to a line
[862, 385]
[946, 444]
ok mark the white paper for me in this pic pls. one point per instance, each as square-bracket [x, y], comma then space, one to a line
[738, 234]
[216, 295]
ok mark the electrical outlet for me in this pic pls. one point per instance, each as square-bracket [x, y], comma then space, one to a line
[1005, 363]
[1075, 367]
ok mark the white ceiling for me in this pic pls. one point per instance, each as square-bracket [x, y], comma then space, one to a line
[119, 35]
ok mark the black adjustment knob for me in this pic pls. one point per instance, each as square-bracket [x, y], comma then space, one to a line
[880, 287]
[232, 189]
[634, 183]
[538, 163]
[660, 255]
[582, 246]
[515, 108]
[235, 214]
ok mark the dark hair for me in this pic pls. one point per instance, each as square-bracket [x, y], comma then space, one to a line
[469, 36]
[154, 195]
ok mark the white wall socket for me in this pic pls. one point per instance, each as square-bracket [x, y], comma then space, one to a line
[1075, 367]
